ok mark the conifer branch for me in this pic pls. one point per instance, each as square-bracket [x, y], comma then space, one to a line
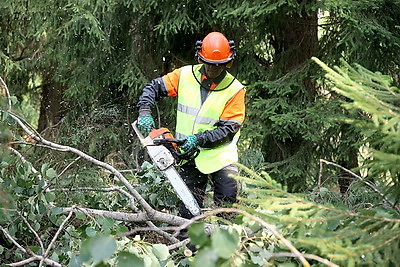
[376, 190]
[254, 218]
[306, 255]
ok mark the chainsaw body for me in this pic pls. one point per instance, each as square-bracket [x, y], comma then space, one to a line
[163, 151]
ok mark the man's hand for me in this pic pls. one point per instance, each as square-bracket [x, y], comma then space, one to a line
[146, 123]
[190, 143]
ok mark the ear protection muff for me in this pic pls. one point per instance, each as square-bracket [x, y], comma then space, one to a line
[232, 45]
[197, 48]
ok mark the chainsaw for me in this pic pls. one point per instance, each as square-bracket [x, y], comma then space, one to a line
[165, 154]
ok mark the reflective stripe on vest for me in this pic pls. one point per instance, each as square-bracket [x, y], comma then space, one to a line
[192, 117]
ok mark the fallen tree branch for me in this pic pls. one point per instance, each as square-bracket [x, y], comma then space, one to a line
[146, 229]
[152, 227]
[161, 232]
[34, 257]
[35, 145]
[150, 214]
[149, 210]
[32, 230]
[5, 232]
[178, 244]
[31, 259]
[55, 237]
[157, 216]
[109, 189]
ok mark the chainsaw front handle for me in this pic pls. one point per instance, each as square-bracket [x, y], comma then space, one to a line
[146, 141]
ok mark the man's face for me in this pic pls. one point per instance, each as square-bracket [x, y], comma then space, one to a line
[213, 71]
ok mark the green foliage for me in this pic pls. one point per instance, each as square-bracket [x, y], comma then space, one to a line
[106, 51]
[25, 186]
[102, 131]
[219, 249]
[155, 188]
[103, 53]
[81, 45]
[365, 32]
[112, 251]
[86, 239]
[347, 238]
[373, 95]
[288, 128]
[286, 121]
[355, 198]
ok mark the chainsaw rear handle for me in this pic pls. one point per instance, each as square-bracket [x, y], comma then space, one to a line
[187, 155]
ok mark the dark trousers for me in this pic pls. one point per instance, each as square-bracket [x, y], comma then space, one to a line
[225, 187]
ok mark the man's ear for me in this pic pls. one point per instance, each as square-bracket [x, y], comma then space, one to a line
[198, 60]
[229, 64]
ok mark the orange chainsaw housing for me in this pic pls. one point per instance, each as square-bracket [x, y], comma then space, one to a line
[163, 133]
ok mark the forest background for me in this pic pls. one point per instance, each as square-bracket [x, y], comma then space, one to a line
[320, 146]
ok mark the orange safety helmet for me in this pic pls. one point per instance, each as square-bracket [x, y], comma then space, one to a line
[215, 49]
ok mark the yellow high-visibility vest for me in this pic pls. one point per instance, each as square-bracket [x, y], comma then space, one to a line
[194, 117]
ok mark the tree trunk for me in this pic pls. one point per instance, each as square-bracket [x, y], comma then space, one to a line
[350, 161]
[51, 105]
[297, 41]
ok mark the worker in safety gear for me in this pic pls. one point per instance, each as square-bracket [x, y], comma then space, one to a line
[210, 113]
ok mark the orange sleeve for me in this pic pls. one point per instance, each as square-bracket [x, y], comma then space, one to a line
[171, 81]
[235, 107]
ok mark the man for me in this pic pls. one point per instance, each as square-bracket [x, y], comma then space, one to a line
[210, 113]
